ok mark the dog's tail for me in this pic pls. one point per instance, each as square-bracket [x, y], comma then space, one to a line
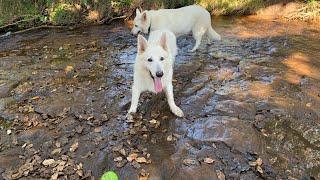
[213, 35]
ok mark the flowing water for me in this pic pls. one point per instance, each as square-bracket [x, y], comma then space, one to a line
[251, 104]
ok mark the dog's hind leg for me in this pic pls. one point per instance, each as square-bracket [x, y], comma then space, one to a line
[134, 101]
[173, 107]
[197, 33]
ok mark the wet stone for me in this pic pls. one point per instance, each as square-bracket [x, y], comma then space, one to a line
[237, 109]
[236, 133]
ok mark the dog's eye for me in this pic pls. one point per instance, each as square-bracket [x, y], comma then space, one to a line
[150, 60]
[162, 58]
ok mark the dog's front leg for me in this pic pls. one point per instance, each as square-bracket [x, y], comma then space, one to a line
[134, 101]
[173, 107]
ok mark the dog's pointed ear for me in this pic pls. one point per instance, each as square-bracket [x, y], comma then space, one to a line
[144, 16]
[142, 44]
[163, 41]
[137, 12]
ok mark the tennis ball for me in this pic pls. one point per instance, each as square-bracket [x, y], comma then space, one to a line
[110, 175]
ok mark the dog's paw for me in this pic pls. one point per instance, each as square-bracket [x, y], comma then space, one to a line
[177, 111]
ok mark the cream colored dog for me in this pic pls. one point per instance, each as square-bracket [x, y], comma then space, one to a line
[153, 68]
[180, 21]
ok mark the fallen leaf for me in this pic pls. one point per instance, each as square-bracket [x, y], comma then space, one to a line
[74, 147]
[259, 169]
[141, 160]
[55, 176]
[80, 172]
[208, 160]
[259, 161]
[252, 163]
[169, 138]
[189, 162]
[220, 175]
[9, 131]
[145, 136]
[143, 173]
[35, 98]
[97, 129]
[61, 166]
[48, 162]
[56, 151]
[132, 157]
[123, 152]
[264, 132]
[153, 121]
[117, 159]
[214, 145]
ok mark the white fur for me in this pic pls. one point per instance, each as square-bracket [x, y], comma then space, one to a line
[160, 44]
[180, 21]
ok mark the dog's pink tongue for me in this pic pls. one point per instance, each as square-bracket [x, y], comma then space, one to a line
[157, 84]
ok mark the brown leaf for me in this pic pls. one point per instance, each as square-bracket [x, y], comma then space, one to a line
[259, 161]
[189, 162]
[61, 166]
[259, 169]
[143, 173]
[153, 121]
[55, 176]
[132, 157]
[123, 152]
[208, 160]
[117, 159]
[56, 151]
[141, 160]
[74, 147]
[97, 129]
[48, 162]
[68, 69]
[220, 175]
[143, 177]
[252, 163]
[35, 98]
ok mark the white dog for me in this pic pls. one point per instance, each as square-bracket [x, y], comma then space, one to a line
[180, 21]
[153, 68]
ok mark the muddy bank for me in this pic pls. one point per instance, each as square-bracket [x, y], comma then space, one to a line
[251, 103]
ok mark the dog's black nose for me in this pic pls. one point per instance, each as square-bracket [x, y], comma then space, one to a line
[159, 74]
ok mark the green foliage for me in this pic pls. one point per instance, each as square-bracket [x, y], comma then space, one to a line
[231, 7]
[64, 11]
[64, 14]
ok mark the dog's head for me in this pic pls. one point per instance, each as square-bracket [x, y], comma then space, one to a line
[155, 59]
[141, 23]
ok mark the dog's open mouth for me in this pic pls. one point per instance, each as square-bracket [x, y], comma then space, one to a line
[157, 83]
